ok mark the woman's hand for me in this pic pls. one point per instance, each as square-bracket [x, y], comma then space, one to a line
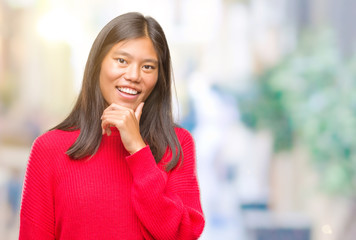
[127, 122]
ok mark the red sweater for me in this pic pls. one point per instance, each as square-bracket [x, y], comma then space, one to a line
[112, 195]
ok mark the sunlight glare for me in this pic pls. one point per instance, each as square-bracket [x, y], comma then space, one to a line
[57, 25]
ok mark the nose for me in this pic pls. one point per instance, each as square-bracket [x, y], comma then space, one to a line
[132, 73]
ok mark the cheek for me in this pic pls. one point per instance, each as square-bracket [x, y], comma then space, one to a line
[103, 82]
[109, 71]
[151, 84]
[106, 78]
[108, 75]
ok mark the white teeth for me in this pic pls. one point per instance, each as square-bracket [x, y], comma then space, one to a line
[128, 90]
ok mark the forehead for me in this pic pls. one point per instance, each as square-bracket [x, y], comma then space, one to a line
[142, 46]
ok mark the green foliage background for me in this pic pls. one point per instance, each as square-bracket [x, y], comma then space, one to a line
[310, 97]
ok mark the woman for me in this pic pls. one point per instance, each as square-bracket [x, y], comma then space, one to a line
[117, 167]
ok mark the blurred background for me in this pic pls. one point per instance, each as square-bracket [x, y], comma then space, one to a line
[266, 87]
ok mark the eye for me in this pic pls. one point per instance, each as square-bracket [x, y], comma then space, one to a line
[148, 67]
[121, 60]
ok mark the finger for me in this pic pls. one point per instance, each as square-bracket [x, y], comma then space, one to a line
[108, 131]
[112, 107]
[115, 106]
[138, 111]
[117, 111]
[105, 126]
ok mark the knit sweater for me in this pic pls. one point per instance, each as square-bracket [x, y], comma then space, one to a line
[111, 195]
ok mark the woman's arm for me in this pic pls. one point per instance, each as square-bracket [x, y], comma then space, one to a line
[37, 211]
[168, 205]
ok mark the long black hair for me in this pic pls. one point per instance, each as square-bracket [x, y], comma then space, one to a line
[156, 123]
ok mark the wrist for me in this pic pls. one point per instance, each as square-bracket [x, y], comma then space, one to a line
[137, 148]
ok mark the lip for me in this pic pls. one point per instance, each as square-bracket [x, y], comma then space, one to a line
[126, 95]
[127, 86]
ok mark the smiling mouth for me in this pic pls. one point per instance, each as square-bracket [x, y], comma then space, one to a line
[127, 90]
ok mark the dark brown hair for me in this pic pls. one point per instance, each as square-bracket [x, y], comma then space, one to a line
[156, 123]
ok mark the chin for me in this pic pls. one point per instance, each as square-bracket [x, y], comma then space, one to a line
[133, 106]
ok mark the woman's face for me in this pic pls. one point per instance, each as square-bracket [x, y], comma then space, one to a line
[129, 72]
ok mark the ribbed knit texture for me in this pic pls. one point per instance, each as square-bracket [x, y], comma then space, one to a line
[112, 195]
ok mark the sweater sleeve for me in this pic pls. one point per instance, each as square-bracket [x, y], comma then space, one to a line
[37, 208]
[167, 204]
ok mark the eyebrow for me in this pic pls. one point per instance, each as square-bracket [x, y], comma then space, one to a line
[120, 52]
